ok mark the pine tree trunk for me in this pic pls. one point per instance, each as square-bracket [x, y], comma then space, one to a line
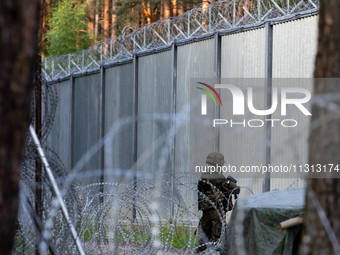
[324, 141]
[96, 20]
[149, 17]
[90, 21]
[19, 21]
[45, 19]
[114, 20]
[180, 8]
[162, 10]
[107, 19]
[174, 8]
[167, 9]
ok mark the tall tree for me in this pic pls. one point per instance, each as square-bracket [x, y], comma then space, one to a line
[69, 33]
[19, 21]
[107, 19]
[96, 20]
[324, 141]
[137, 12]
[113, 19]
[90, 10]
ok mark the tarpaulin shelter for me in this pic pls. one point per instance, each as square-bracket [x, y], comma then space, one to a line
[260, 216]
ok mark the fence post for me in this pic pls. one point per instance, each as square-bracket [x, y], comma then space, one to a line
[69, 63]
[169, 31]
[72, 81]
[209, 17]
[217, 78]
[189, 16]
[288, 6]
[102, 129]
[173, 123]
[134, 128]
[82, 61]
[268, 75]
[52, 68]
[101, 53]
[268, 50]
[234, 13]
[111, 45]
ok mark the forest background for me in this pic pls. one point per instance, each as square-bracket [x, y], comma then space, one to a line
[72, 25]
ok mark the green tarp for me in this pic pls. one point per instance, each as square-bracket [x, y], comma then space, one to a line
[260, 216]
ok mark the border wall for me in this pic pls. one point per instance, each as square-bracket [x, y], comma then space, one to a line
[158, 82]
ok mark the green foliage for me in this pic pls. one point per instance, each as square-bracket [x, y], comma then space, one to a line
[93, 231]
[133, 233]
[69, 29]
[179, 236]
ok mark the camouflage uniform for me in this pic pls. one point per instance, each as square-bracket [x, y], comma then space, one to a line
[212, 189]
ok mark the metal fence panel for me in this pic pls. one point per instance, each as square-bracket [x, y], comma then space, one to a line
[194, 61]
[294, 50]
[241, 144]
[118, 106]
[243, 57]
[289, 146]
[154, 97]
[194, 139]
[86, 122]
[153, 135]
[243, 54]
[59, 140]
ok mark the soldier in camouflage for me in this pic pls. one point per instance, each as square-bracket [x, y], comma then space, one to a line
[214, 200]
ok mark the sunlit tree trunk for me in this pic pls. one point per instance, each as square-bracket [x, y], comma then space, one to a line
[45, 26]
[324, 141]
[150, 18]
[113, 20]
[96, 19]
[90, 22]
[174, 8]
[162, 10]
[107, 19]
[147, 13]
[167, 9]
[180, 10]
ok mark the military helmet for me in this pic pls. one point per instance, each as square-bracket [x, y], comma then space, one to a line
[215, 158]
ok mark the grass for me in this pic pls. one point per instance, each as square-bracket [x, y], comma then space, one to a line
[182, 236]
[179, 236]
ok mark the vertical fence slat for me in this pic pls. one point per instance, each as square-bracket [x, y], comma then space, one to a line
[173, 122]
[72, 122]
[135, 124]
[102, 127]
[268, 75]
